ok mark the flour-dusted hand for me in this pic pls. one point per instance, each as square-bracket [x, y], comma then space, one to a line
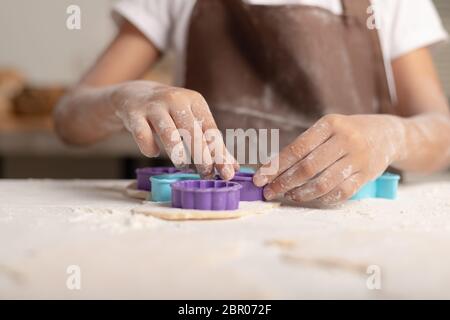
[108, 98]
[148, 109]
[333, 159]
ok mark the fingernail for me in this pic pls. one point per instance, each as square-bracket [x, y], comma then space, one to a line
[181, 165]
[268, 194]
[260, 181]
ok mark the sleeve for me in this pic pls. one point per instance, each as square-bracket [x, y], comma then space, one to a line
[151, 17]
[416, 24]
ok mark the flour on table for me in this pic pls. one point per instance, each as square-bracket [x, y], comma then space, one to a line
[326, 263]
[166, 212]
[115, 220]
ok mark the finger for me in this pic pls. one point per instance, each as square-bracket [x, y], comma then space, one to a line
[142, 134]
[347, 189]
[168, 133]
[224, 162]
[300, 148]
[324, 183]
[194, 139]
[317, 161]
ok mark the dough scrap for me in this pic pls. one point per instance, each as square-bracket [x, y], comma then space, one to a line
[285, 244]
[133, 192]
[166, 212]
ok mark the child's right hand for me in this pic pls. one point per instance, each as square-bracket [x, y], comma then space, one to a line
[147, 109]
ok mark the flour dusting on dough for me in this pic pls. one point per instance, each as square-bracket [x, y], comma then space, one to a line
[166, 212]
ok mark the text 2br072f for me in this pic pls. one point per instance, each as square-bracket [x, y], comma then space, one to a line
[246, 309]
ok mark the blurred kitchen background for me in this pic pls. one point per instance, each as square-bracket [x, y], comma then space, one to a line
[40, 58]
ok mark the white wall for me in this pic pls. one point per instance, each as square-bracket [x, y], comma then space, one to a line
[35, 40]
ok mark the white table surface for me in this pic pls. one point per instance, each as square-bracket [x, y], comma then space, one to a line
[47, 226]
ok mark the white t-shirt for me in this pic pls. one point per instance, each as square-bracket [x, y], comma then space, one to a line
[404, 25]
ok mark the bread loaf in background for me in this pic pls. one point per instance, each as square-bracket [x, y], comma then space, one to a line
[11, 83]
[37, 101]
[19, 98]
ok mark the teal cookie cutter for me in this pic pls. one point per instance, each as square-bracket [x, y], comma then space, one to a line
[385, 187]
[247, 170]
[161, 190]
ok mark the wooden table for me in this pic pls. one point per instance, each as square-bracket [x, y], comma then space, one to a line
[52, 231]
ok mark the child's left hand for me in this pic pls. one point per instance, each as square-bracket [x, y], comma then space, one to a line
[333, 159]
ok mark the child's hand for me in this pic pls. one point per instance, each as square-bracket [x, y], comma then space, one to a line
[146, 109]
[332, 160]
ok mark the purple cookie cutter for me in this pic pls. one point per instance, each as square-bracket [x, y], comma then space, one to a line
[206, 195]
[144, 174]
[249, 191]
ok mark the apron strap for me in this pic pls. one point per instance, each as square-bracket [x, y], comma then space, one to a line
[248, 34]
[358, 9]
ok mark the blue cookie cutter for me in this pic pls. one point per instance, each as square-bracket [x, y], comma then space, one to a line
[385, 187]
[161, 190]
[246, 170]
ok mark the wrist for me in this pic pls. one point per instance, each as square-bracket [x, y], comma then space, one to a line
[100, 110]
[111, 105]
[396, 136]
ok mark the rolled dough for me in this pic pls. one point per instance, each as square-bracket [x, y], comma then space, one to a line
[166, 212]
[132, 191]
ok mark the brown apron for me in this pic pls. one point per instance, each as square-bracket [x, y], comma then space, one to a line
[284, 66]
